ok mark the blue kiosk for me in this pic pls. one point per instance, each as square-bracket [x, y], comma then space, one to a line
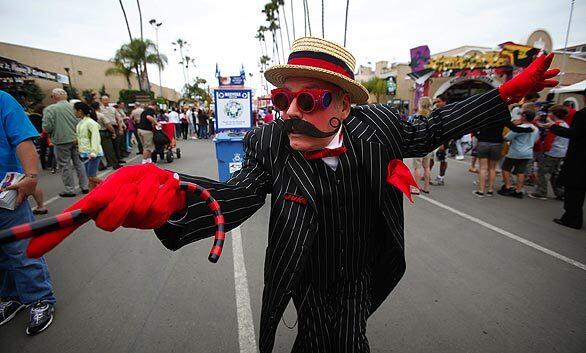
[233, 118]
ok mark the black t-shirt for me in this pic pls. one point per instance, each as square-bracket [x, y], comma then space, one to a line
[144, 123]
[494, 133]
[37, 121]
[202, 119]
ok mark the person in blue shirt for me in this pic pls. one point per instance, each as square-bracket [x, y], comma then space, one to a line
[24, 282]
[519, 156]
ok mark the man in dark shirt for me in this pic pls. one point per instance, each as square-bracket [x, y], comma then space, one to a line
[202, 122]
[573, 175]
[145, 131]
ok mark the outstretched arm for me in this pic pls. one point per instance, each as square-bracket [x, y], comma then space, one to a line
[453, 120]
[577, 131]
[239, 198]
[422, 136]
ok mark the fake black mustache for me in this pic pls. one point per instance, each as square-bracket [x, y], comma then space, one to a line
[303, 127]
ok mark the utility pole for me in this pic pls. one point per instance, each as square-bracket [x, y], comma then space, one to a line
[156, 26]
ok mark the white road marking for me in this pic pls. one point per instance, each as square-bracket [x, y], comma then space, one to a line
[505, 233]
[105, 172]
[246, 336]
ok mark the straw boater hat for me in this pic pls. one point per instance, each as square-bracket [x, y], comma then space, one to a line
[321, 59]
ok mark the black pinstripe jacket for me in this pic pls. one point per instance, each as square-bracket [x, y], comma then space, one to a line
[272, 167]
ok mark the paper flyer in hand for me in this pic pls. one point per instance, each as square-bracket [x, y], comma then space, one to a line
[8, 197]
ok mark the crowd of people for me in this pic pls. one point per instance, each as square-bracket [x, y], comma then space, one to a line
[70, 137]
[529, 151]
[542, 143]
[70, 142]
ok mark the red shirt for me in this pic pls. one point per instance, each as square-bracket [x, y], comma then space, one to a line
[570, 117]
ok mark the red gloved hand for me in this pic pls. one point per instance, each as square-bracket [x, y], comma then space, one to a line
[533, 78]
[141, 196]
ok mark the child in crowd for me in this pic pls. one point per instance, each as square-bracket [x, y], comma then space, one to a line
[88, 141]
[519, 156]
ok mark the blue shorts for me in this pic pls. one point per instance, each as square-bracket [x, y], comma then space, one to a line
[91, 166]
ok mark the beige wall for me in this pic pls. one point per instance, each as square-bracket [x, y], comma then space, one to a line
[86, 73]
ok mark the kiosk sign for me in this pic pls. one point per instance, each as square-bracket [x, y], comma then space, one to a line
[233, 109]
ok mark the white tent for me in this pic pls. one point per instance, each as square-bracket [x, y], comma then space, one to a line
[576, 87]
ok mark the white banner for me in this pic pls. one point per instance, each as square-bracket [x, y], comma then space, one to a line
[233, 109]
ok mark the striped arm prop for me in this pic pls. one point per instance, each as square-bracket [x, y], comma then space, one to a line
[66, 219]
[214, 207]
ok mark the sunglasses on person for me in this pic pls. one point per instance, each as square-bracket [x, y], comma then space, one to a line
[308, 100]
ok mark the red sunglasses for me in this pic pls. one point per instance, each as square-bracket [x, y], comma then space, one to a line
[308, 99]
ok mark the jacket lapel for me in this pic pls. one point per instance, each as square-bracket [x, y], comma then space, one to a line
[302, 174]
[371, 153]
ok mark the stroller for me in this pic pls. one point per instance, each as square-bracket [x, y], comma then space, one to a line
[164, 140]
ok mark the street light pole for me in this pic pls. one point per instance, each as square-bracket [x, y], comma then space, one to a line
[69, 78]
[156, 26]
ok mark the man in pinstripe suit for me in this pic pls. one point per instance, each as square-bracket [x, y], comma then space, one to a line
[335, 243]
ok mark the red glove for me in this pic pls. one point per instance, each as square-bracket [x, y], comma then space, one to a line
[533, 78]
[141, 196]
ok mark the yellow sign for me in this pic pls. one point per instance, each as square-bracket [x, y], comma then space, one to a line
[486, 60]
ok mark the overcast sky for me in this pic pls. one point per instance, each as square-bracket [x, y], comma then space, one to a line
[223, 31]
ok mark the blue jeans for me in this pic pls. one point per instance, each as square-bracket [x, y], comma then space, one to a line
[21, 278]
[91, 166]
[202, 132]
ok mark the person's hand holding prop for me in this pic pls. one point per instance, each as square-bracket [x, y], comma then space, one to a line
[141, 196]
[533, 78]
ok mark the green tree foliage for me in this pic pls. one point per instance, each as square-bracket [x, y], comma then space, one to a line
[121, 68]
[28, 95]
[377, 87]
[128, 96]
[72, 92]
[195, 90]
[102, 91]
[138, 54]
[88, 95]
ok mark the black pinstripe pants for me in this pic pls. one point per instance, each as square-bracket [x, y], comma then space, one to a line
[334, 319]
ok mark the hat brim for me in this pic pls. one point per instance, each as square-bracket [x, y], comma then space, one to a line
[278, 74]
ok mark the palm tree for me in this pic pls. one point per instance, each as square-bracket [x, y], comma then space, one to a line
[377, 87]
[282, 3]
[188, 60]
[139, 53]
[121, 69]
[136, 67]
[181, 43]
[277, 5]
[260, 35]
[126, 19]
[269, 11]
[140, 18]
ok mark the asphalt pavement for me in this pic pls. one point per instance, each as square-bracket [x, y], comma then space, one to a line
[483, 275]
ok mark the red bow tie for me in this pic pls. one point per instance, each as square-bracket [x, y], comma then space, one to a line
[325, 152]
[399, 175]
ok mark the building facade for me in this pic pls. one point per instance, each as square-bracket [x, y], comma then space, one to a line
[84, 73]
[475, 69]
